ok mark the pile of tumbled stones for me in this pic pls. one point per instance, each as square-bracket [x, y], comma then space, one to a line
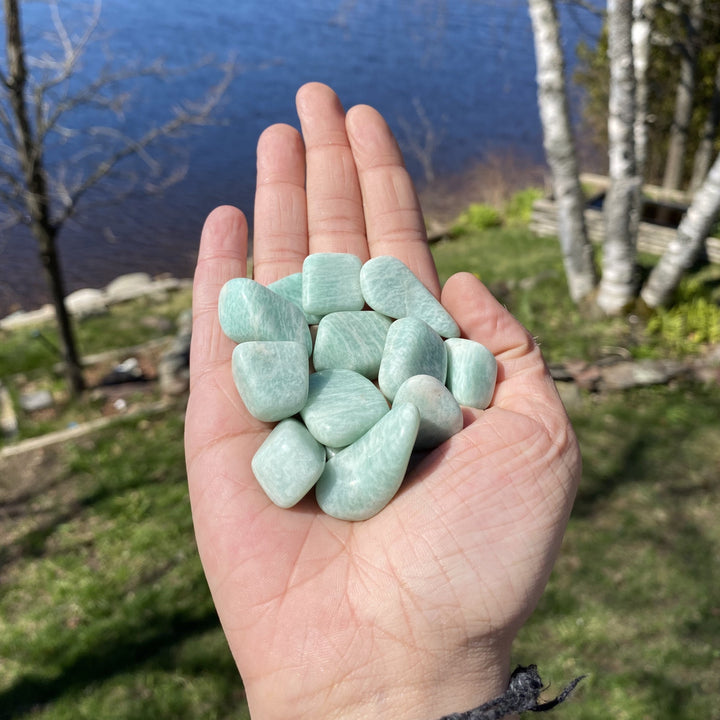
[375, 384]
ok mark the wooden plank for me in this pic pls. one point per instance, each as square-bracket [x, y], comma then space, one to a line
[652, 239]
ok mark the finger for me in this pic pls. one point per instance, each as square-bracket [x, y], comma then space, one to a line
[280, 231]
[222, 256]
[334, 202]
[214, 407]
[393, 217]
[524, 382]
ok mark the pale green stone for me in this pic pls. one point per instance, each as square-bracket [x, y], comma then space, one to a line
[290, 287]
[471, 373]
[411, 348]
[249, 311]
[440, 415]
[288, 463]
[391, 288]
[271, 377]
[341, 406]
[353, 340]
[331, 283]
[359, 481]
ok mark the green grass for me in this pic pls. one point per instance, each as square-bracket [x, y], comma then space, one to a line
[104, 612]
[633, 601]
[24, 351]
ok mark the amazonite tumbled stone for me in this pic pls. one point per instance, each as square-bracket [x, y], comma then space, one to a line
[471, 372]
[359, 481]
[288, 463]
[331, 283]
[341, 406]
[411, 348]
[271, 377]
[352, 340]
[290, 287]
[249, 311]
[440, 415]
[391, 288]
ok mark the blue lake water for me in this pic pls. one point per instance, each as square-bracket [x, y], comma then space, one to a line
[464, 68]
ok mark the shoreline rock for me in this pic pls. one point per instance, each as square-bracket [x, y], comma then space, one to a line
[92, 301]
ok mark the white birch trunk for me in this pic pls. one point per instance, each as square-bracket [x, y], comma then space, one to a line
[617, 287]
[683, 250]
[643, 14]
[560, 150]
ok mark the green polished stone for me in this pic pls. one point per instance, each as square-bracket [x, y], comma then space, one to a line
[288, 463]
[391, 288]
[359, 481]
[341, 406]
[331, 283]
[411, 348]
[471, 373]
[353, 340]
[249, 311]
[271, 377]
[290, 288]
[440, 415]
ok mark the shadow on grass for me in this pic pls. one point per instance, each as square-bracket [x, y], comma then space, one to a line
[105, 660]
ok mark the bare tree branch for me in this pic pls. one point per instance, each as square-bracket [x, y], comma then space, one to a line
[191, 114]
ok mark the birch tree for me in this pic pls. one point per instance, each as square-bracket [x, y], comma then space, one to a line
[643, 13]
[684, 248]
[560, 150]
[618, 285]
[35, 109]
[691, 18]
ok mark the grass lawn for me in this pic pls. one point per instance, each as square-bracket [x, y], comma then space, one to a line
[104, 612]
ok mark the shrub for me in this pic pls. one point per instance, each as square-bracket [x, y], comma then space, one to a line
[692, 322]
[519, 207]
[478, 216]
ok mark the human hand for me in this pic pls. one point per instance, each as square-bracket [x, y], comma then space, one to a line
[412, 613]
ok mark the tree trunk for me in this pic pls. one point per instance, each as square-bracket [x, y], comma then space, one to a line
[560, 150]
[704, 153]
[37, 199]
[685, 247]
[617, 288]
[643, 13]
[675, 163]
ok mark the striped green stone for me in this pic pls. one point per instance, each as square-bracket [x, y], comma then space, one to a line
[290, 288]
[411, 348]
[331, 283]
[271, 377]
[341, 406]
[249, 311]
[288, 463]
[391, 288]
[440, 415]
[359, 481]
[353, 340]
[471, 373]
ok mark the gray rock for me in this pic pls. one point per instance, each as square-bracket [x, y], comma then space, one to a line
[126, 287]
[86, 302]
[36, 400]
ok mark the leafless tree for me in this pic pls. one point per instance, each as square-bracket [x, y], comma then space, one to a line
[38, 95]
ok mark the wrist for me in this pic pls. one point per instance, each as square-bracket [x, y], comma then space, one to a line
[402, 688]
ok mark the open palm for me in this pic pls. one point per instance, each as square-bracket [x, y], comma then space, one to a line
[411, 613]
